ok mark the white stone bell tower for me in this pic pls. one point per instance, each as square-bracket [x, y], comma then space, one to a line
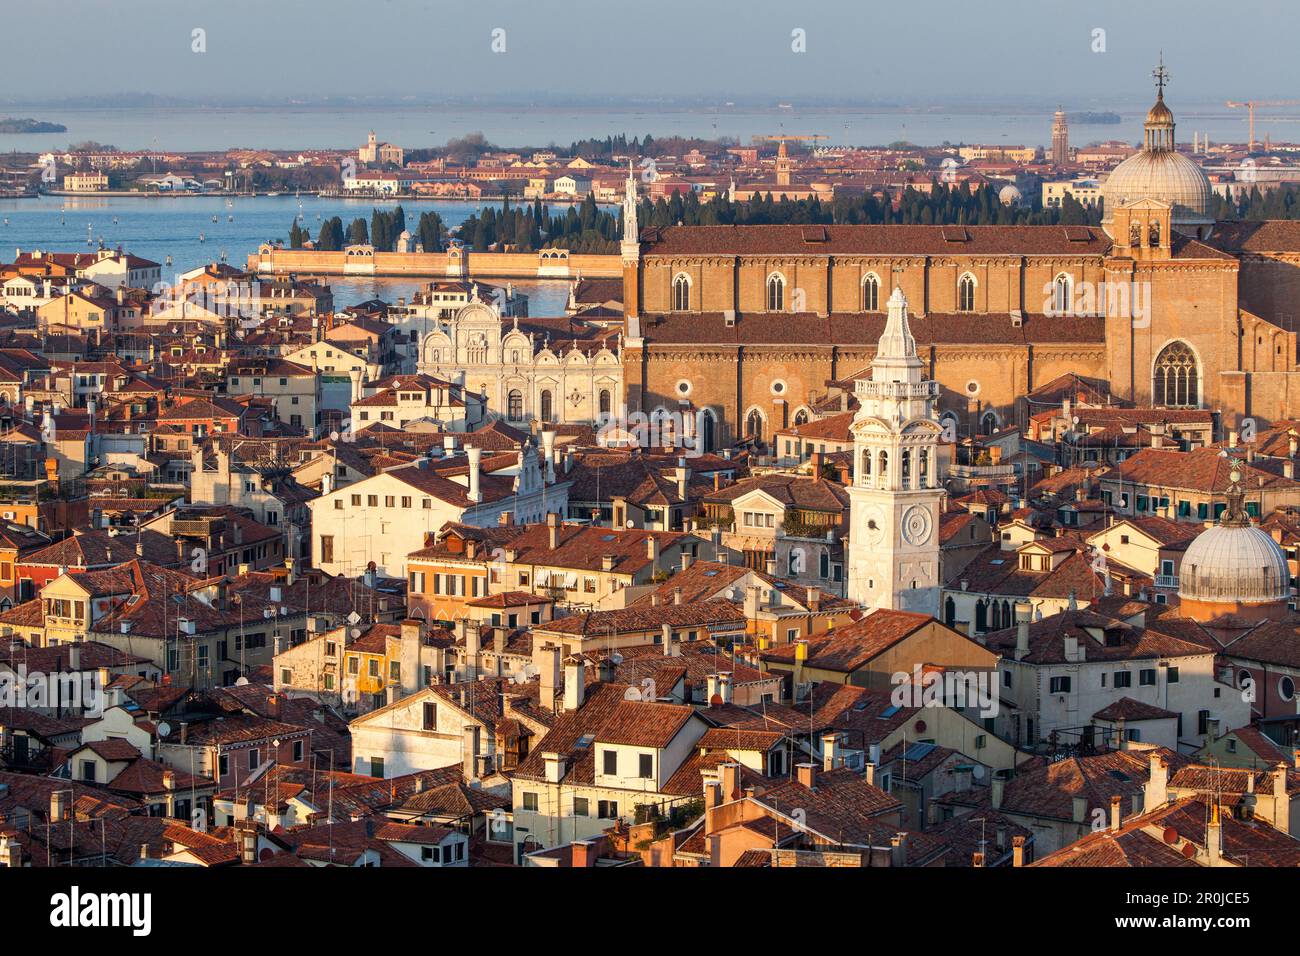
[895, 496]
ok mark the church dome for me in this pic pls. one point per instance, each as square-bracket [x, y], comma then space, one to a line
[1234, 563]
[1164, 175]
[1160, 172]
[1009, 195]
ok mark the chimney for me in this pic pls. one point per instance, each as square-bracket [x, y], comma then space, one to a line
[469, 752]
[585, 853]
[1116, 814]
[555, 766]
[74, 657]
[870, 774]
[1281, 799]
[58, 805]
[1079, 809]
[652, 549]
[677, 595]
[507, 519]
[552, 530]
[814, 599]
[724, 687]
[1017, 851]
[683, 474]
[1214, 835]
[806, 774]
[472, 636]
[666, 630]
[1023, 611]
[549, 666]
[711, 690]
[574, 684]
[475, 461]
[997, 791]
[548, 453]
[1156, 792]
[977, 859]
[169, 780]
[898, 850]
[830, 751]
[11, 853]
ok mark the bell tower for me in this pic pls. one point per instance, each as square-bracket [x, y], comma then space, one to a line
[895, 497]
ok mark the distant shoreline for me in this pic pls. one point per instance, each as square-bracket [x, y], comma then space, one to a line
[13, 126]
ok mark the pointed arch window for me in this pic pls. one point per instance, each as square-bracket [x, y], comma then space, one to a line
[776, 292]
[754, 425]
[681, 292]
[966, 293]
[1175, 379]
[871, 294]
[1062, 295]
[801, 417]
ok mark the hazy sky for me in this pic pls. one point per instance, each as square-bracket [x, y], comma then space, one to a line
[954, 50]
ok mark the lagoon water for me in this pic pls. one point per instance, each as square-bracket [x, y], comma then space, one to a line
[195, 129]
[157, 227]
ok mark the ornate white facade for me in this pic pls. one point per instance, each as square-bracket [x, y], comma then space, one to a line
[553, 371]
[893, 559]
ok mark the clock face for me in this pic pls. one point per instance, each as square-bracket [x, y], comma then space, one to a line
[916, 525]
[875, 526]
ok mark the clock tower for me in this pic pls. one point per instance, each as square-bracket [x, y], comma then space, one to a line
[895, 496]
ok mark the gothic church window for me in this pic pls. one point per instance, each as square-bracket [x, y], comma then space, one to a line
[871, 294]
[966, 293]
[775, 293]
[1175, 379]
[681, 293]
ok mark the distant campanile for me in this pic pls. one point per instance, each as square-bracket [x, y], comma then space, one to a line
[1060, 139]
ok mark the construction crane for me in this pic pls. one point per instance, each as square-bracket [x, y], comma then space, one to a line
[783, 137]
[1250, 105]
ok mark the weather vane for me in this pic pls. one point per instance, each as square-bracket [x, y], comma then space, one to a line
[1161, 75]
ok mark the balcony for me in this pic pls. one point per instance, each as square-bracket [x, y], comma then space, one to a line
[1167, 581]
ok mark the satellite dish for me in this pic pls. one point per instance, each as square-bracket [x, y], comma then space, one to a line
[978, 771]
[616, 659]
[630, 524]
[242, 682]
[164, 729]
[632, 693]
[354, 617]
[355, 632]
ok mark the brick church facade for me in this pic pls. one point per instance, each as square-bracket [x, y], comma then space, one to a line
[749, 324]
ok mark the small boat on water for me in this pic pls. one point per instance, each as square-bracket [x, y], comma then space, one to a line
[202, 238]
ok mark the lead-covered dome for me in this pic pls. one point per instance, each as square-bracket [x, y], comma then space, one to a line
[1234, 563]
[1160, 172]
